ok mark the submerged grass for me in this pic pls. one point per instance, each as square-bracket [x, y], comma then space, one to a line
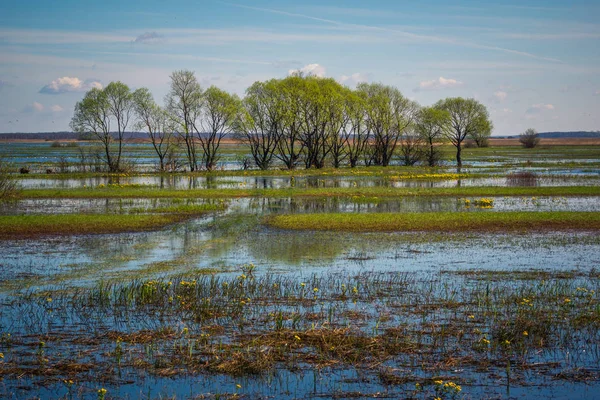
[440, 221]
[249, 325]
[28, 226]
[150, 192]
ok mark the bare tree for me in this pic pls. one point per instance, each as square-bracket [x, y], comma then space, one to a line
[467, 117]
[529, 139]
[159, 127]
[411, 148]
[183, 103]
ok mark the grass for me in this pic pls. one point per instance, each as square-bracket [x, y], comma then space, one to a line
[440, 221]
[28, 226]
[251, 325]
[151, 192]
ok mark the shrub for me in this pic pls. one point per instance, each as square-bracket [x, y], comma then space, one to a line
[8, 186]
[529, 139]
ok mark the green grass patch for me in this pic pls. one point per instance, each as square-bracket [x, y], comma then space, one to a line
[440, 221]
[149, 192]
[27, 226]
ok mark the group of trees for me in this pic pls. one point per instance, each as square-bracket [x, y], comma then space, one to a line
[298, 120]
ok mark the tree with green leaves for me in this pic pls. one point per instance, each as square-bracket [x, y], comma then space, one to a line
[99, 112]
[468, 117]
[290, 148]
[184, 105]
[430, 125]
[356, 130]
[389, 115]
[156, 122]
[220, 112]
[261, 122]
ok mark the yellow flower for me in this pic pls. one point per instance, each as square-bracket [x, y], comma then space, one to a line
[102, 392]
[1, 355]
[567, 300]
[315, 290]
[297, 337]
[237, 385]
[471, 317]
[525, 333]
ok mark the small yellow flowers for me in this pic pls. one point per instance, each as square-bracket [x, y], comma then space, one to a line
[101, 393]
[438, 382]
[238, 386]
[471, 317]
[567, 300]
[185, 331]
[315, 290]
[485, 341]
[525, 333]
[303, 284]
[297, 337]
[355, 290]
[1, 356]
[49, 299]
[506, 342]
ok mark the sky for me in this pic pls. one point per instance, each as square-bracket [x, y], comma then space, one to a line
[532, 63]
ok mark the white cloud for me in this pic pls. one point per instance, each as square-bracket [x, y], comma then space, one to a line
[35, 107]
[149, 38]
[500, 95]
[355, 78]
[537, 109]
[597, 92]
[56, 108]
[440, 83]
[310, 69]
[69, 84]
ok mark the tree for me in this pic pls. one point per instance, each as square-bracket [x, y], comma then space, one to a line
[220, 112]
[467, 117]
[481, 136]
[389, 114]
[183, 103]
[529, 139]
[98, 111]
[355, 130]
[321, 107]
[411, 148]
[430, 125]
[261, 121]
[290, 148]
[155, 120]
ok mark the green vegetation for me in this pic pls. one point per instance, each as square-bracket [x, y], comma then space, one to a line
[440, 221]
[152, 192]
[252, 325]
[27, 226]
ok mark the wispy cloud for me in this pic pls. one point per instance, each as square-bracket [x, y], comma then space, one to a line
[68, 84]
[51, 36]
[439, 83]
[401, 33]
[537, 109]
[553, 36]
[149, 38]
[500, 95]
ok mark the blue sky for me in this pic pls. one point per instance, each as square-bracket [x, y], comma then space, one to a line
[532, 63]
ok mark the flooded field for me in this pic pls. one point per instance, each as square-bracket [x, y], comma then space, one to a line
[219, 303]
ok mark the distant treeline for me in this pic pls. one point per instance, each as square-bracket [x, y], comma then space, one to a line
[143, 135]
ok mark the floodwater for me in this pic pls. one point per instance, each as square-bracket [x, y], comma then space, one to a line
[218, 243]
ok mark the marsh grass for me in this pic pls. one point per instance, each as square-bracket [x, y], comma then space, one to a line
[252, 324]
[439, 221]
[153, 192]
